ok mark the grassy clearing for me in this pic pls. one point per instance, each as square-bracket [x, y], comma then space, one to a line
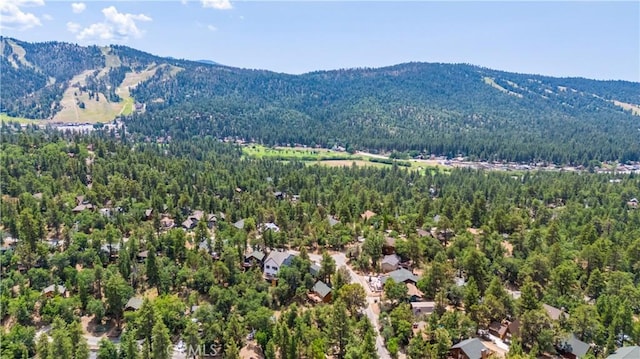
[297, 153]
[20, 120]
[326, 157]
[346, 163]
[128, 106]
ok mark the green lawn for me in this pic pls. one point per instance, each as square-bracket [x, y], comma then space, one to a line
[331, 158]
[21, 120]
[300, 154]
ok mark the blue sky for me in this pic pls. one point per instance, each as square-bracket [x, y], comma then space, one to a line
[598, 40]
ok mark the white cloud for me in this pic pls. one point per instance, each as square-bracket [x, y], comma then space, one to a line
[116, 26]
[73, 27]
[217, 4]
[12, 15]
[212, 28]
[47, 17]
[78, 7]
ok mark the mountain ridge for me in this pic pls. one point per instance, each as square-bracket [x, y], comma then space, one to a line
[439, 108]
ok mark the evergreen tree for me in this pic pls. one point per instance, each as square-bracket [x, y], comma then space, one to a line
[42, 346]
[107, 350]
[153, 275]
[340, 328]
[161, 345]
[82, 350]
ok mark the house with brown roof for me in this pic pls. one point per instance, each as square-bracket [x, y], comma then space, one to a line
[367, 215]
[189, 223]
[82, 207]
[415, 294]
[167, 223]
[505, 330]
[554, 313]
[498, 329]
[422, 233]
[389, 245]
[142, 256]
[197, 215]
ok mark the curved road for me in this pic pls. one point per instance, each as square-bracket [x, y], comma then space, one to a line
[341, 261]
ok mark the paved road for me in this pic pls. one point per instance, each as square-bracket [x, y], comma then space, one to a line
[372, 297]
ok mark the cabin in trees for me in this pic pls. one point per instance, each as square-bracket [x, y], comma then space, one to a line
[554, 313]
[54, 289]
[275, 260]
[505, 329]
[332, 220]
[422, 233]
[401, 276]
[82, 206]
[572, 348]
[142, 256]
[422, 308]
[389, 246]
[189, 223]
[367, 215]
[269, 227]
[111, 249]
[167, 223]
[321, 292]
[133, 304]
[415, 294]
[390, 263]
[470, 349]
[314, 269]
[239, 224]
[255, 258]
[192, 221]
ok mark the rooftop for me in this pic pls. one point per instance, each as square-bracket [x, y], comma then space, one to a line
[321, 288]
[632, 352]
[401, 276]
[472, 347]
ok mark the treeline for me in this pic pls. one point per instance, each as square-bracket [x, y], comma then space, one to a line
[434, 108]
[441, 109]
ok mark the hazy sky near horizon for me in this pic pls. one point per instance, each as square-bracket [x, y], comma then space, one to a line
[599, 40]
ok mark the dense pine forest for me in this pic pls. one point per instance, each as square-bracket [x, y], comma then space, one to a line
[151, 243]
[441, 109]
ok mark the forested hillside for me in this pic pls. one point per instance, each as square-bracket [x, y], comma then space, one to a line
[441, 109]
[96, 215]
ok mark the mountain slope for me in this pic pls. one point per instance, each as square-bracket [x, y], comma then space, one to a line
[443, 109]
